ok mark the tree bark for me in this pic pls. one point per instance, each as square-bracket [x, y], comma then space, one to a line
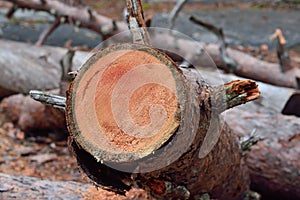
[30, 115]
[25, 67]
[272, 101]
[22, 187]
[167, 163]
[273, 162]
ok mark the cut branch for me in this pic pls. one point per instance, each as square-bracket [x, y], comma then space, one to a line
[44, 35]
[282, 54]
[103, 25]
[173, 15]
[229, 63]
[55, 101]
[235, 93]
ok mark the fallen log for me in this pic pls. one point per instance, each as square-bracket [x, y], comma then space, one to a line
[164, 152]
[273, 162]
[30, 115]
[262, 105]
[247, 66]
[25, 67]
[22, 187]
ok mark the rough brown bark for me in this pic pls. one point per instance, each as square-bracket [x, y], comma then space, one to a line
[273, 162]
[197, 170]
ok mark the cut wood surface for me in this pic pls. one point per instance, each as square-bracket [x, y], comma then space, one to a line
[149, 76]
[155, 182]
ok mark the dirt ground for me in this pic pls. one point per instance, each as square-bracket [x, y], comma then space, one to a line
[42, 155]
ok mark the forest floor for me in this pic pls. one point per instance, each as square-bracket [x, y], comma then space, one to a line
[43, 156]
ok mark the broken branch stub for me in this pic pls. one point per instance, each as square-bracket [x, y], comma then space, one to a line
[137, 24]
[282, 54]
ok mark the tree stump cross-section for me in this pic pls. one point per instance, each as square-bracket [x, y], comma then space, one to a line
[125, 102]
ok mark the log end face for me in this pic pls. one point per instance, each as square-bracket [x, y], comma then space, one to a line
[124, 101]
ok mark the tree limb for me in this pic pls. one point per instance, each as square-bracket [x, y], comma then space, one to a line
[45, 34]
[55, 101]
[229, 63]
[179, 5]
[98, 23]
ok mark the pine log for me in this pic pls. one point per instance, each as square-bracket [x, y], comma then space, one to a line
[273, 162]
[179, 149]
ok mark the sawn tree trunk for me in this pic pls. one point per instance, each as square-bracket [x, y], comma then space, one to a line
[137, 120]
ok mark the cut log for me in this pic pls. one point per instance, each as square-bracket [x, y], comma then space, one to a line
[103, 79]
[136, 119]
